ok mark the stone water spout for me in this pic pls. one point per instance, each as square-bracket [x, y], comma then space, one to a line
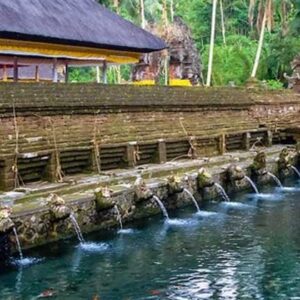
[206, 185]
[6, 227]
[6, 223]
[58, 208]
[236, 177]
[234, 174]
[60, 211]
[259, 166]
[297, 154]
[141, 191]
[284, 162]
[204, 179]
[175, 185]
[104, 199]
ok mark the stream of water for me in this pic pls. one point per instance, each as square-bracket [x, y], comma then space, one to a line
[193, 199]
[19, 248]
[278, 182]
[253, 185]
[296, 171]
[77, 229]
[162, 207]
[222, 192]
[119, 217]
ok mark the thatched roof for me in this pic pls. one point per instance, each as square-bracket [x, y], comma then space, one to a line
[73, 22]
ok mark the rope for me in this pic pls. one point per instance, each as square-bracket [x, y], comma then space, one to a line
[59, 175]
[136, 155]
[17, 178]
[192, 152]
[96, 147]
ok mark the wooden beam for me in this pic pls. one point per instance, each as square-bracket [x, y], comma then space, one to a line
[5, 59]
[54, 73]
[16, 70]
[4, 73]
[67, 73]
[37, 73]
[104, 72]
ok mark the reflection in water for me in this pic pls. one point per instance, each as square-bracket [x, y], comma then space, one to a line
[18, 286]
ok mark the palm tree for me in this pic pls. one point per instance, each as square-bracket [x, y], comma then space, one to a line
[265, 19]
[142, 13]
[223, 22]
[165, 13]
[261, 39]
[212, 43]
[172, 10]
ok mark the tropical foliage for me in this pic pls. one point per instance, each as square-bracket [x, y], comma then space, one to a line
[242, 24]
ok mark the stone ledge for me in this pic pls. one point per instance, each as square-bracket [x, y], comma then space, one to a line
[34, 217]
[84, 98]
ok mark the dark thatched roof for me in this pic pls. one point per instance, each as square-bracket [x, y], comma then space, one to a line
[73, 22]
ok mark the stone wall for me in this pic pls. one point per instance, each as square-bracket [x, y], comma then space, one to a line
[87, 127]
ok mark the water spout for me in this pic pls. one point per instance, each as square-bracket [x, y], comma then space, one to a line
[252, 184]
[296, 171]
[222, 192]
[6, 227]
[58, 208]
[18, 244]
[278, 182]
[77, 228]
[193, 199]
[119, 217]
[162, 207]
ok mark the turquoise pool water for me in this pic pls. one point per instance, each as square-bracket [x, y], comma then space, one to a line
[241, 251]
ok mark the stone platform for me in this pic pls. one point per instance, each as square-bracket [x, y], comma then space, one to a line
[36, 226]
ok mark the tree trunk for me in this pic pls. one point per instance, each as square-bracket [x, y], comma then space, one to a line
[260, 45]
[223, 22]
[119, 75]
[117, 6]
[143, 20]
[118, 68]
[172, 10]
[98, 74]
[212, 43]
[165, 12]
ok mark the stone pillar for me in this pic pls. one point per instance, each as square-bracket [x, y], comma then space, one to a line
[130, 154]
[7, 182]
[162, 151]
[246, 141]
[269, 138]
[95, 159]
[222, 144]
[51, 168]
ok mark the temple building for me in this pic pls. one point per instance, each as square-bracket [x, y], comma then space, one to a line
[61, 34]
[182, 60]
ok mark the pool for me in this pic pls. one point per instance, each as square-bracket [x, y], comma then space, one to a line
[249, 250]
